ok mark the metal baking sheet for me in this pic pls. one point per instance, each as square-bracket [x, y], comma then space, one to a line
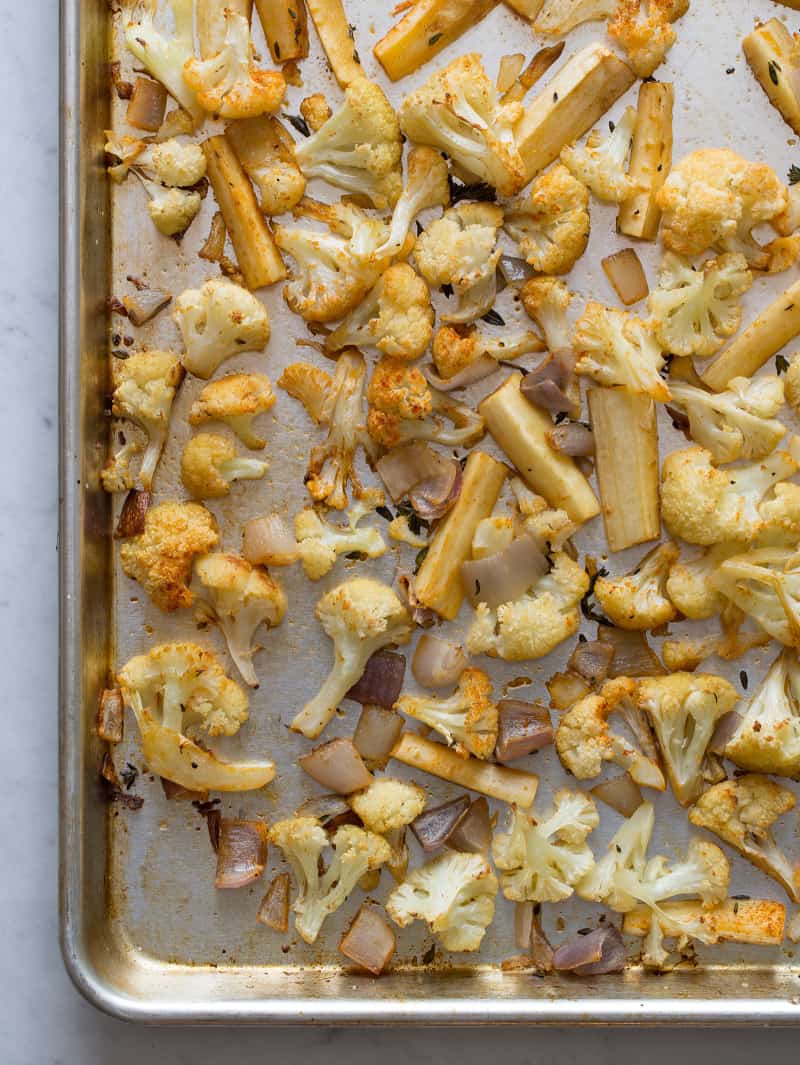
[145, 935]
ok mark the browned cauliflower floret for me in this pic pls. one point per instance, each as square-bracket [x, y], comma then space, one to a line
[713, 198]
[236, 400]
[160, 558]
[601, 163]
[551, 224]
[639, 600]
[467, 719]
[644, 29]
[209, 464]
[457, 347]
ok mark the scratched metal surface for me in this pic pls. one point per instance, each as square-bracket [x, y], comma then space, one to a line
[146, 934]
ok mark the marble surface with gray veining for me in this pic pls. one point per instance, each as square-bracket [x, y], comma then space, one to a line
[44, 1021]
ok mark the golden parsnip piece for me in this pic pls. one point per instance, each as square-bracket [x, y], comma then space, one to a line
[336, 35]
[651, 159]
[497, 781]
[425, 29]
[521, 430]
[256, 252]
[626, 460]
[570, 104]
[756, 921]
[285, 25]
[770, 51]
[438, 583]
[764, 337]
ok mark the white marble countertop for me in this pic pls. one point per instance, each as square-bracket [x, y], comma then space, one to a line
[45, 1022]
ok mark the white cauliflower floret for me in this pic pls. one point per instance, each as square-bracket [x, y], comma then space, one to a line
[117, 474]
[542, 858]
[557, 17]
[457, 347]
[174, 163]
[163, 54]
[644, 29]
[426, 186]
[360, 616]
[161, 557]
[400, 530]
[461, 249]
[228, 84]
[738, 423]
[358, 148]
[337, 402]
[541, 619]
[639, 600]
[239, 597]
[396, 317]
[210, 464]
[403, 407]
[166, 170]
[547, 525]
[320, 543]
[458, 112]
[266, 152]
[627, 849]
[601, 164]
[171, 210]
[684, 709]
[792, 384]
[693, 309]
[705, 505]
[768, 739]
[467, 719]
[455, 895]
[616, 348]
[333, 270]
[584, 739]
[387, 805]
[237, 400]
[219, 320]
[714, 199]
[689, 585]
[765, 583]
[144, 387]
[551, 224]
[355, 852]
[742, 812]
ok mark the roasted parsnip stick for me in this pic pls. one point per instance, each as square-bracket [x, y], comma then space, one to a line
[438, 583]
[769, 52]
[497, 781]
[336, 35]
[528, 9]
[570, 104]
[285, 25]
[536, 69]
[210, 22]
[626, 460]
[757, 921]
[256, 252]
[521, 430]
[763, 338]
[651, 159]
[424, 30]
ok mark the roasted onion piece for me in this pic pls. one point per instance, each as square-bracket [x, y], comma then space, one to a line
[633, 655]
[131, 517]
[473, 832]
[268, 541]
[572, 438]
[437, 663]
[621, 793]
[369, 941]
[548, 384]
[404, 467]
[110, 715]
[595, 954]
[241, 852]
[324, 807]
[506, 575]
[432, 498]
[337, 765]
[382, 680]
[274, 908]
[434, 827]
[147, 105]
[145, 304]
[625, 272]
[377, 731]
[476, 371]
[522, 728]
[592, 660]
[723, 733]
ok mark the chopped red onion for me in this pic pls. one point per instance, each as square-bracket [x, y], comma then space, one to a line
[592, 660]
[178, 793]
[437, 663]
[522, 728]
[133, 513]
[572, 438]
[274, 908]
[541, 951]
[110, 715]
[633, 655]
[515, 270]
[404, 467]
[433, 827]
[523, 919]
[475, 371]
[377, 731]
[381, 681]
[547, 385]
[337, 765]
[241, 852]
[601, 951]
[268, 541]
[369, 941]
[323, 807]
[621, 793]
[431, 499]
[506, 575]
[145, 304]
[473, 832]
[422, 616]
[727, 726]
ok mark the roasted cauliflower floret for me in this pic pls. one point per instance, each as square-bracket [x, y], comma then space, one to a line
[176, 164]
[210, 464]
[742, 812]
[355, 852]
[461, 249]
[557, 17]
[229, 84]
[218, 320]
[584, 739]
[684, 709]
[162, 54]
[387, 805]
[457, 347]
[738, 423]
[337, 402]
[693, 310]
[616, 348]
[768, 739]
[320, 543]
[426, 186]
[765, 584]
[467, 719]
[792, 384]
[541, 619]
[455, 895]
[713, 198]
[266, 152]
[358, 148]
[185, 688]
[706, 505]
[403, 407]
[144, 387]
[239, 597]
[639, 600]
[171, 211]
[236, 400]
[551, 223]
[396, 317]
[547, 525]
[160, 559]
[458, 112]
[689, 584]
[643, 28]
[541, 858]
[546, 301]
[601, 164]
[360, 616]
